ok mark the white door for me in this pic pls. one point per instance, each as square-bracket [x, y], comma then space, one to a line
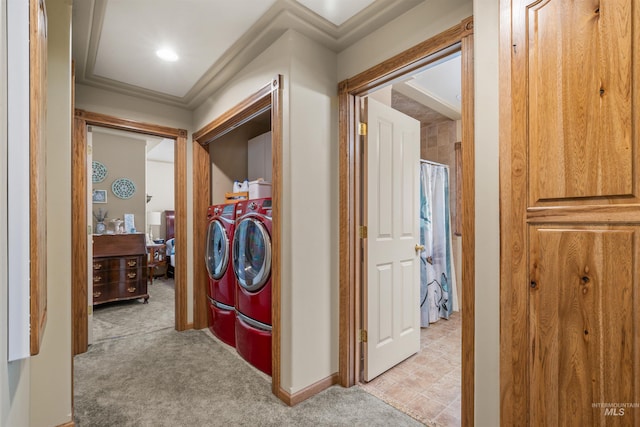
[392, 281]
[90, 237]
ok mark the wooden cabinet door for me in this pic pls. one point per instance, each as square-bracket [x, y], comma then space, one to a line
[570, 212]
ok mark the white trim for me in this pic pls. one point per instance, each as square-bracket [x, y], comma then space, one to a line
[18, 178]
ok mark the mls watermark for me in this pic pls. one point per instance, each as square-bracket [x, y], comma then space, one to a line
[615, 409]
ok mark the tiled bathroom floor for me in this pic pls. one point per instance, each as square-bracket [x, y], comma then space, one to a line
[427, 385]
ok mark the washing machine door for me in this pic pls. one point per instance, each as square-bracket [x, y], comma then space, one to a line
[217, 251]
[251, 254]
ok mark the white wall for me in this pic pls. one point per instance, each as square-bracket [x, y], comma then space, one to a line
[51, 374]
[160, 186]
[417, 25]
[15, 376]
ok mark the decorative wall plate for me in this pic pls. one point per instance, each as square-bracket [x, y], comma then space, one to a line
[99, 171]
[123, 188]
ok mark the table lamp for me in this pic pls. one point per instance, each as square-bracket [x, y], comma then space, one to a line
[153, 218]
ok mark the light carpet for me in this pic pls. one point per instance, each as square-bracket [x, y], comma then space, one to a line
[166, 378]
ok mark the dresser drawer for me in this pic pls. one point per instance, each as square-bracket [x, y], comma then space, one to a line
[130, 262]
[101, 264]
[131, 289]
[100, 277]
[103, 293]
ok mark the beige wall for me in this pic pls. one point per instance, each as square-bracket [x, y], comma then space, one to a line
[313, 177]
[487, 256]
[124, 158]
[418, 24]
[50, 388]
[15, 376]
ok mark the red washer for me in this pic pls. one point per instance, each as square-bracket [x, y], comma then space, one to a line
[252, 266]
[221, 289]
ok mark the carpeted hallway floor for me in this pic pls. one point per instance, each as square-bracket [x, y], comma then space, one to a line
[151, 375]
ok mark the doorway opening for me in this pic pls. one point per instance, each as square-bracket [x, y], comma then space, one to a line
[424, 110]
[80, 223]
[457, 40]
[130, 195]
[266, 101]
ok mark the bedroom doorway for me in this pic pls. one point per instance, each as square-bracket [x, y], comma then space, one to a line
[80, 221]
[144, 208]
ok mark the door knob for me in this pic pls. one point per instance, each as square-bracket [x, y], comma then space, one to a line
[419, 248]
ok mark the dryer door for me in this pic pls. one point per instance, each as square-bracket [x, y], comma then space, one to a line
[217, 250]
[251, 254]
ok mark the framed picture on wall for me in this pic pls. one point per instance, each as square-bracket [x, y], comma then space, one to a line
[99, 196]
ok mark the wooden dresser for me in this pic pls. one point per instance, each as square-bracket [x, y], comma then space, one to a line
[119, 267]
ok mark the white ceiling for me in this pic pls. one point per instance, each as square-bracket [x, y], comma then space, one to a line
[114, 41]
[336, 11]
[129, 39]
[438, 86]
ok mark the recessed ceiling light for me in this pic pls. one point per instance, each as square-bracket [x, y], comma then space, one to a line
[167, 54]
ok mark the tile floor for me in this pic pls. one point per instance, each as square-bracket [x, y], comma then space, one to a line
[427, 385]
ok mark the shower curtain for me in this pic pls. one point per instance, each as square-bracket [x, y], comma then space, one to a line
[437, 273]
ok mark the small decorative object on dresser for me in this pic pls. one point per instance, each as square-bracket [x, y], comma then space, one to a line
[119, 267]
[100, 217]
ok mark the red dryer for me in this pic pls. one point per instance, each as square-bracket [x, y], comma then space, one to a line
[221, 289]
[252, 267]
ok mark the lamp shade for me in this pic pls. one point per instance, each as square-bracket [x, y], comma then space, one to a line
[153, 218]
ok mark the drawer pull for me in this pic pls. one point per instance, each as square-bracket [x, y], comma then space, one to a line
[132, 275]
[97, 266]
[131, 290]
[97, 279]
[97, 294]
[132, 263]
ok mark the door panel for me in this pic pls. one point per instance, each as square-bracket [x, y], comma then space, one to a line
[582, 296]
[393, 289]
[580, 74]
[570, 213]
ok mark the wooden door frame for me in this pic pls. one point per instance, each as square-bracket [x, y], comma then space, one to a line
[350, 157]
[268, 96]
[79, 225]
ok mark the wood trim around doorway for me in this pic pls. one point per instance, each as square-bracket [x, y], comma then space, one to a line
[349, 91]
[268, 96]
[79, 225]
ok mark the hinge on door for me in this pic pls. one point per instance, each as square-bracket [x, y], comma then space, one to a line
[362, 129]
[363, 232]
[363, 335]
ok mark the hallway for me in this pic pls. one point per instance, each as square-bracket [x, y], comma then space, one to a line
[141, 372]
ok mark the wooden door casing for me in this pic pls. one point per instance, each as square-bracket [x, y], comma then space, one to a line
[570, 212]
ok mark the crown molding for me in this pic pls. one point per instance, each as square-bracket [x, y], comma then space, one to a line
[282, 16]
